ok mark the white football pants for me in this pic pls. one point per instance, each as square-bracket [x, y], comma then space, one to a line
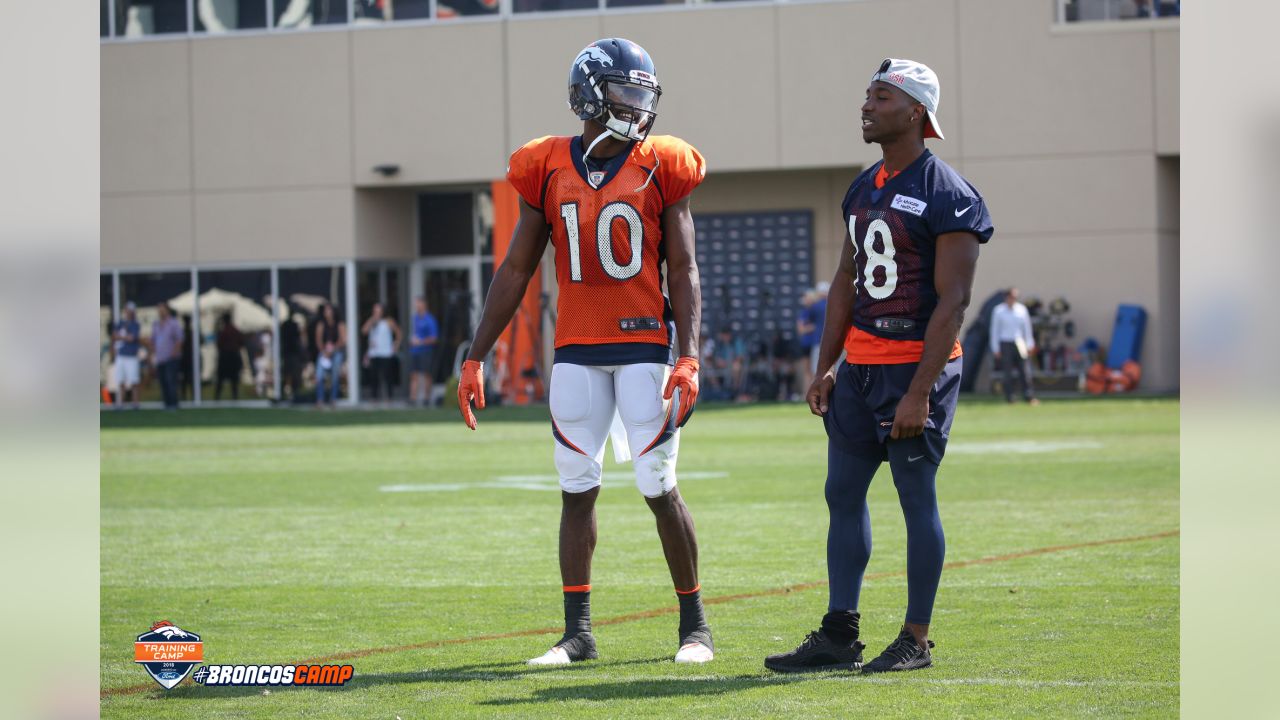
[584, 400]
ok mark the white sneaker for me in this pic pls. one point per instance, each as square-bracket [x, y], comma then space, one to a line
[694, 652]
[554, 656]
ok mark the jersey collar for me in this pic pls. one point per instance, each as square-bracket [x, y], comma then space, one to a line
[612, 167]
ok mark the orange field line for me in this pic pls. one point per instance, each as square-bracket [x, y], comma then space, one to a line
[671, 610]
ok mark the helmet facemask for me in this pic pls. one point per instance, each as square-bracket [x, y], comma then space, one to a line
[628, 108]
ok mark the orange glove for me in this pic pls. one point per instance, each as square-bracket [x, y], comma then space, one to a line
[685, 377]
[471, 386]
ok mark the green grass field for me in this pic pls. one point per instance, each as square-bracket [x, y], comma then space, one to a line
[268, 533]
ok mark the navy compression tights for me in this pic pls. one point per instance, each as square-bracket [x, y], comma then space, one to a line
[849, 538]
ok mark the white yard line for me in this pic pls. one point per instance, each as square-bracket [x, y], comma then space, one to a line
[1020, 447]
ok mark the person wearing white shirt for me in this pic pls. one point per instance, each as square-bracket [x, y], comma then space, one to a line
[1012, 343]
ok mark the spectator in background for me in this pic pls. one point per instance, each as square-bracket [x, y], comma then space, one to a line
[818, 312]
[125, 344]
[331, 342]
[729, 360]
[292, 357]
[383, 344]
[1012, 344]
[186, 370]
[422, 346]
[166, 351]
[809, 323]
[230, 343]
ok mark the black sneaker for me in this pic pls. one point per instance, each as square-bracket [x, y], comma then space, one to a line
[902, 654]
[818, 652]
[579, 647]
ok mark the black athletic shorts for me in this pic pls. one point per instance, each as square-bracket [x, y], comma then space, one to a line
[860, 412]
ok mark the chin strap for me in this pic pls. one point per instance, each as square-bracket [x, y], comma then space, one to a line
[601, 136]
[656, 162]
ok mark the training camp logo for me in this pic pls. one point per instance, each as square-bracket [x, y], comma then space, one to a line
[167, 653]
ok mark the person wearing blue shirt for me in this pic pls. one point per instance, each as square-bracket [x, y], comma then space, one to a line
[422, 346]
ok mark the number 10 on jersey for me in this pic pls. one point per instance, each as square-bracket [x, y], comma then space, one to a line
[604, 240]
[876, 228]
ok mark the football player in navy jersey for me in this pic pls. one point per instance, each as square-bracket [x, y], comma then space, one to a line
[895, 306]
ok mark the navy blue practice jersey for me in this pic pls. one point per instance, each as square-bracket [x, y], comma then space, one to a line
[894, 230]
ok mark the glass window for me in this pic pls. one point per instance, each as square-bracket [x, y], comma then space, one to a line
[381, 367]
[306, 13]
[446, 9]
[135, 18]
[370, 11]
[104, 18]
[445, 224]
[305, 292]
[484, 209]
[235, 335]
[147, 291]
[633, 3]
[522, 6]
[448, 293]
[219, 16]
[105, 320]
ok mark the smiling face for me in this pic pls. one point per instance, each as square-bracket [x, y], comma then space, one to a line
[888, 113]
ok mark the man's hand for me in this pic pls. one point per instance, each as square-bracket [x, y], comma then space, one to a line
[471, 386]
[819, 393]
[909, 418]
[685, 377]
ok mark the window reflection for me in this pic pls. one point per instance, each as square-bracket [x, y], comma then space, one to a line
[136, 18]
[306, 13]
[523, 6]
[235, 334]
[305, 292]
[385, 10]
[154, 353]
[446, 9]
[106, 319]
[219, 16]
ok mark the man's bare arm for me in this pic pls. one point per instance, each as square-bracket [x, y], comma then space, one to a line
[955, 263]
[683, 283]
[510, 281]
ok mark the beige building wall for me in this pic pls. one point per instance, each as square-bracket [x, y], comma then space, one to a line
[262, 146]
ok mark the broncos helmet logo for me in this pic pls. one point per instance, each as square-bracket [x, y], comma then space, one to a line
[592, 53]
[169, 630]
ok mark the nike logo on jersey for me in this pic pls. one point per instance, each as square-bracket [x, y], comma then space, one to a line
[913, 459]
[961, 212]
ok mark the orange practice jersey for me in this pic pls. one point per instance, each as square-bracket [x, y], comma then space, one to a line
[608, 239]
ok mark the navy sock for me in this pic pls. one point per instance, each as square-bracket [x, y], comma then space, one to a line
[849, 536]
[577, 612]
[692, 616]
[914, 474]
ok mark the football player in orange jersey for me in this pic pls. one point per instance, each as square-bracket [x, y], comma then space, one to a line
[614, 202]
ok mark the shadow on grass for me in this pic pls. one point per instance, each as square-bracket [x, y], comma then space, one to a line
[655, 689]
[571, 689]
